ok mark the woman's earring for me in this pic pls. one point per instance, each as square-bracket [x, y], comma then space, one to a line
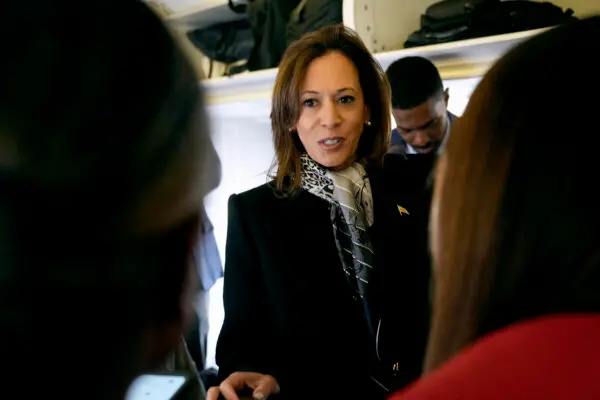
[368, 123]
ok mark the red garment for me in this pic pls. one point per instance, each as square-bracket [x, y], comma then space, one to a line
[556, 357]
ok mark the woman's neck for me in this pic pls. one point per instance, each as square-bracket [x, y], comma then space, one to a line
[345, 165]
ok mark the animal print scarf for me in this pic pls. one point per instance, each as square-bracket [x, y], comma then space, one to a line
[349, 193]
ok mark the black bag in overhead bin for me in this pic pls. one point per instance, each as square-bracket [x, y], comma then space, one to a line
[263, 37]
[425, 38]
[277, 23]
[449, 14]
[311, 15]
[255, 41]
[515, 16]
[452, 20]
[228, 42]
[446, 21]
[269, 19]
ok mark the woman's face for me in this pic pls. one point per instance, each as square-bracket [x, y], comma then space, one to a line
[332, 111]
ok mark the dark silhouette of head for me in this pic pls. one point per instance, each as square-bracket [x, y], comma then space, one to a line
[104, 161]
[515, 216]
[419, 103]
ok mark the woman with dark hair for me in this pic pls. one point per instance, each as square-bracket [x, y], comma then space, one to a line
[104, 162]
[515, 231]
[326, 284]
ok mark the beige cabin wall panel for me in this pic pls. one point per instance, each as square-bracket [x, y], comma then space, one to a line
[582, 8]
[384, 24]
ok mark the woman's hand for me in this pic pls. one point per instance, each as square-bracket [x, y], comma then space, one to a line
[262, 386]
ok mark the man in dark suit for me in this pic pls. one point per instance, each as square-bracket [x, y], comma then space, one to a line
[423, 122]
[419, 107]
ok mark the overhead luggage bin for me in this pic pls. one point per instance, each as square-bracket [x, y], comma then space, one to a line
[456, 60]
[384, 26]
[185, 15]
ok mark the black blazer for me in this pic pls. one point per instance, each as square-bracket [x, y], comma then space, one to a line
[288, 308]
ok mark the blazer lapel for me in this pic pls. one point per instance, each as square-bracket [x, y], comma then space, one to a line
[310, 218]
[389, 219]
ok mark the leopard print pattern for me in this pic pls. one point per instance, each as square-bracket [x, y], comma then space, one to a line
[315, 179]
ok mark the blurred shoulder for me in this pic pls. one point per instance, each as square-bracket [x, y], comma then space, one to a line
[413, 170]
[259, 194]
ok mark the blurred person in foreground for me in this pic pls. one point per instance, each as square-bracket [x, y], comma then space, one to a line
[515, 232]
[104, 162]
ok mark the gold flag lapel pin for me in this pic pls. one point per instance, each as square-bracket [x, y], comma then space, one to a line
[403, 210]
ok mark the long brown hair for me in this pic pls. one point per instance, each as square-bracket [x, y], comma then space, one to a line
[285, 109]
[516, 222]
